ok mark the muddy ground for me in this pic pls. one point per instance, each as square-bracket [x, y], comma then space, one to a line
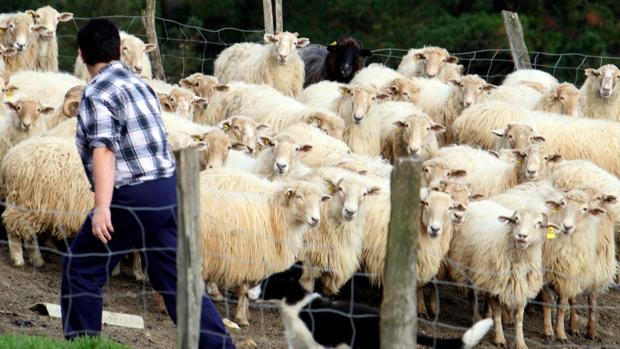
[22, 287]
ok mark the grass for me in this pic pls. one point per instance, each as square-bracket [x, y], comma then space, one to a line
[12, 341]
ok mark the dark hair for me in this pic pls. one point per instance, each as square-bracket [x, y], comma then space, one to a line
[99, 41]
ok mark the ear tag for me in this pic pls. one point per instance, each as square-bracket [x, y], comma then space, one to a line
[8, 96]
[519, 161]
[196, 139]
[331, 189]
[550, 233]
[225, 126]
[333, 43]
[554, 210]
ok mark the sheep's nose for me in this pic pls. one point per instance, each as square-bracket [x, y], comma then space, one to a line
[281, 166]
[210, 166]
[26, 126]
[414, 150]
[530, 173]
[314, 221]
[357, 119]
[346, 70]
[567, 228]
[434, 229]
[430, 76]
[348, 212]
[467, 104]
[19, 47]
[521, 236]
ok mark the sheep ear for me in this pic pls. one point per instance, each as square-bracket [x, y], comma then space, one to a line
[499, 132]
[40, 29]
[30, 13]
[554, 205]
[455, 83]
[552, 225]
[70, 108]
[452, 59]
[225, 125]
[592, 72]
[610, 199]
[262, 126]
[221, 88]
[494, 153]
[289, 193]
[331, 186]
[365, 52]
[302, 42]
[373, 191]
[11, 105]
[344, 90]
[7, 52]
[458, 173]
[200, 146]
[325, 198]
[269, 38]
[506, 220]
[597, 211]
[46, 110]
[538, 139]
[331, 47]
[489, 87]
[265, 141]
[438, 128]
[65, 16]
[185, 83]
[305, 148]
[239, 146]
[399, 124]
[554, 158]
[149, 47]
[382, 95]
[477, 196]
[419, 56]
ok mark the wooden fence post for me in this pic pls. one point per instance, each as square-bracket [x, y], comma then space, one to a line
[268, 15]
[190, 284]
[151, 33]
[399, 306]
[514, 31]
[279, 19]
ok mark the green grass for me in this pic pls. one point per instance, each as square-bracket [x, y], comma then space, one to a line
[12, 341]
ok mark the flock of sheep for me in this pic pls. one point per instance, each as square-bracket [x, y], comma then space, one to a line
[520, 180]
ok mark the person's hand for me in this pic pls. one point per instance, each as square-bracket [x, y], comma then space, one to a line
[102, 224]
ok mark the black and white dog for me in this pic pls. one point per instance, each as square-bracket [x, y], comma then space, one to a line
[312, 322]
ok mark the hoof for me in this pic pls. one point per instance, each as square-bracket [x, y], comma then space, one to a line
[594, 338]
[549, 339]
[500, 344]
[38, 263]
[563, 340]
[243, 322]
[18, 263]
[140, 277]
[117, 270]
[573, 332]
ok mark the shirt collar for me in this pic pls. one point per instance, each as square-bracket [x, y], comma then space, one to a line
[110, 66]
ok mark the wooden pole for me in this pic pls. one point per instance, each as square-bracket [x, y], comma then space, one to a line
[190, 285]
[268, 15]
[279, 19]
[151, 33]
[399, 307]
[514, 31]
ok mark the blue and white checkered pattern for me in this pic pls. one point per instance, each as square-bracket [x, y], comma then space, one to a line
[121, 112]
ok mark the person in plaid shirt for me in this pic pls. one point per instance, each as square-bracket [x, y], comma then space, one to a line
[128, 161]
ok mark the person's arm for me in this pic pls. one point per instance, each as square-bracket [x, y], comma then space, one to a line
[104, 163]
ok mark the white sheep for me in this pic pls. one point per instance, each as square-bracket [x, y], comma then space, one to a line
[562, 99]
[23, 121]
[247, 236]
[280, 159]
[48, 18]
[326, 150]
[522, 95]
[369, 166]
[243, 129]
[430, 62]
[48, 87]
[600, 93]
[18, 31]
[203, 85]
[537, 79]
[276, 64]
[499, 250]
[68, 109]
[376, 74]
[134, 53]
[414, 135]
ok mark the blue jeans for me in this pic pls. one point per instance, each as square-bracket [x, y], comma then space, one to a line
[143, 217]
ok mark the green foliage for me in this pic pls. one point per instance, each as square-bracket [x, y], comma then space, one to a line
[569, 26]
[29, 342]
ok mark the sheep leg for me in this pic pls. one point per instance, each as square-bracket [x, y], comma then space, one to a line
[473, 303]
[421, 304]
[591, 330]
[507, 316]
[496, 310]
[15, 248]
[243, 303]
[159, 303]
[434, 311]
[573, 326]
[214, 292]
[137, 267]
[561, 314]
[519, 340]
[307, 278]
[117, 270]
[34, 252]
[545, 294]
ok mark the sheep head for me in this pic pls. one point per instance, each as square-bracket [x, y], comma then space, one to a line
[284, 150]
[527, 227]
[48, 18]
[436, 208]
[518, 136]
[133, 52]
[216, 146]
[418, 131]
[533, 163]
[461, 194]
[472, 89]
[243, 129]
[434, 171]
[303, 201]
[284, 45]
[345, 57]
[433, 59]
[572, 208]
[203, 86]
[350, 194]
[328, 122]
[361, 98]
[27, 112]
[20, 29]
[604, 79]
[181, 102]
[404, 90]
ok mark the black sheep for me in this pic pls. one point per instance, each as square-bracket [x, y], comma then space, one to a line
[337, 62]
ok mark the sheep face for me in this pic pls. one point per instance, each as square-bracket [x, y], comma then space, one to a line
[181, 102]
[566, 95]
[48, 18]
[435, 171]
[527, 227]
[217, 149]
[285, 151]
[328, 122]
[133, 52]
[433, 59]
[350, 195]
[202, 85]
[243, 129]
[436, 209]
[27, 112]
[362, 98]
[472, 89]
[72, 101]
[303, 201]
[534, 163]
[417, 132]
[403, 90]
[19, 31]
[604, 79]
[518, 136]
[284, 45]
[345, 57]
[571, 209]
[4, 80]
[461, 195]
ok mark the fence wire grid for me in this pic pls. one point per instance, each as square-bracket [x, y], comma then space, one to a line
[187, 49]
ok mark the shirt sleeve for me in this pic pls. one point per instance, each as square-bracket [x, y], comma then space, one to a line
[99, 124]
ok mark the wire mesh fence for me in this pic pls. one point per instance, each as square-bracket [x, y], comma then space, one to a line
[187, 49]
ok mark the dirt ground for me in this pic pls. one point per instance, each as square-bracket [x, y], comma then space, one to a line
[20, 288]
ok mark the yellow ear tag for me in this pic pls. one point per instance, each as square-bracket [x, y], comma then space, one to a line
[10, 93]
[331, 189]
[550, 233]
[225, 126]
[333, 43]
[267, 142]
[554, 210]
[196, 138]
[519, 161]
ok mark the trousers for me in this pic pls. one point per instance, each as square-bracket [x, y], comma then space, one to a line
[144, 218]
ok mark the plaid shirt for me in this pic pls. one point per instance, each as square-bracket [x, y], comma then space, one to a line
[121, 112]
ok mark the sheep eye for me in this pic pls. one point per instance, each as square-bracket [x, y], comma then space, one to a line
[584, 209]
[236, 127]
[427, 170]
[230, 147]
[11, 25]
[366, 193]
[428, 128]
[509, 136]
[539, 223]
[443, 60]
[340, 189]
[38, 110]
[373, 98]
[196, 84]
[19, 107]
[480, 88]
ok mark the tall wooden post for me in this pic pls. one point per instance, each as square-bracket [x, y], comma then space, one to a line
[279, 18]
[268, 15]
[190, 284]
[151, 33]
[399, 306]
[514, 31]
